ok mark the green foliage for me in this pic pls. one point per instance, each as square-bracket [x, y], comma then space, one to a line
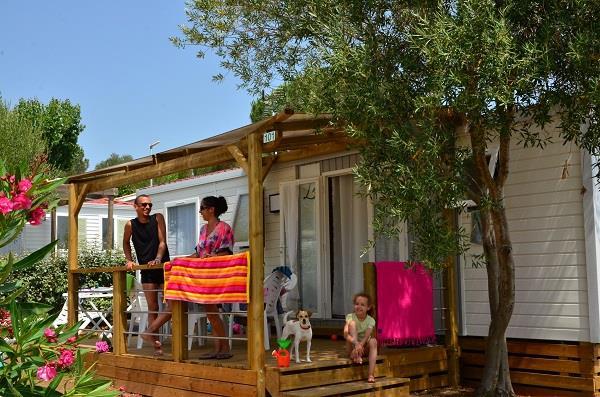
[404, 75]
[46, 281]
[31, 351]
[60, 124]
[20, 141]
[114, 159]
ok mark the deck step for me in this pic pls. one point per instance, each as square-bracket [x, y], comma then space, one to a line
[387, 386]
[323, 373]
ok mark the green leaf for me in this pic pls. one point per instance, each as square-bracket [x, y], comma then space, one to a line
[6, 267]
[34, 257]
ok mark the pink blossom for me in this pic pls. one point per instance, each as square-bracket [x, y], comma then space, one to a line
[72, 339]
[50, 335]
[36, 216]
[11, 179]
[24, 185]
[102, 346]
[6, 205]
[47, 372]
[66, 359]
[21, 202]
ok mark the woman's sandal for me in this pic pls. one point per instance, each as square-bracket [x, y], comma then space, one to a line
[371, 379]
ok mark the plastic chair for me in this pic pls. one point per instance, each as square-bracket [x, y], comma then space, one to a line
[139, 312]
[272, 288]
[196, 318]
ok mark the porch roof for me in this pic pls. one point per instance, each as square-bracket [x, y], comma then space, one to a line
[298, 135]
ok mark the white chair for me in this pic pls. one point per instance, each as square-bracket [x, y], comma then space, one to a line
[196, 318]
[272, 288]
[139, 312]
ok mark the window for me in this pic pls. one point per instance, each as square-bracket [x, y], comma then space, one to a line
[181, 229]
[62, 231]
[240, 222]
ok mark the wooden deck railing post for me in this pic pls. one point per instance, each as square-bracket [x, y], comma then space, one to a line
[452, 345]
[179, 324]
[256, 331]
[370, 285]
[119, 340]
[72, 278]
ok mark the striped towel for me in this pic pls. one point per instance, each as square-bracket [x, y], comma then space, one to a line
[218, 279]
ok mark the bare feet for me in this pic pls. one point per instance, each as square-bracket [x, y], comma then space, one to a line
[153, 340]
[371, 379]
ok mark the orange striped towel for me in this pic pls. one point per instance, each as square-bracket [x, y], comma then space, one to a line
[217, 279]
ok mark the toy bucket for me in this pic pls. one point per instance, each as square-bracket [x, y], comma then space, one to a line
[283, 357]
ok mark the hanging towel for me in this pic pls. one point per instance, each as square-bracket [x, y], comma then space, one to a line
[404, 304]
[217, 279]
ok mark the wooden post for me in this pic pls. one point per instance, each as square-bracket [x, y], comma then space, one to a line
[72, 278]
[256, 331]
[370, 285]
[53, 229]
[452, 345]
[119, 339]
[179, 325]
[111, 223]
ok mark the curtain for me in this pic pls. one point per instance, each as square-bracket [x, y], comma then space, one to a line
[289, 211]
[349, 239]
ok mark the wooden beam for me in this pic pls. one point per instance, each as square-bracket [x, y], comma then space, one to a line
[83, 190]
[268, 164]
[239, 157]
[195, 160]
[72, 278]
[299, 142]
[452, 344]
[256, 331]
[316, 150]
[111, 223]
[119, 304]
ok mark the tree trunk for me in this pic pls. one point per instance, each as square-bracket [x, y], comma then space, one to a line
[500, 267]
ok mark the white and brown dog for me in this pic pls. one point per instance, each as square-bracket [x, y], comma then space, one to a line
[302, 331]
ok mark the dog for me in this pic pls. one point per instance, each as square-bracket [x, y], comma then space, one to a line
[302, 331]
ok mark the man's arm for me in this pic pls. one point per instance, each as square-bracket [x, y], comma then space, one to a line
[127, 246]
[162, 239]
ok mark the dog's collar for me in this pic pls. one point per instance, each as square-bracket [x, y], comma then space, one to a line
[301, 326]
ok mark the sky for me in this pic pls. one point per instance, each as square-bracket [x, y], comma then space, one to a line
[115, 60]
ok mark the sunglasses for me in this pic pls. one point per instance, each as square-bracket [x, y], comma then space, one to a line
[149, 205]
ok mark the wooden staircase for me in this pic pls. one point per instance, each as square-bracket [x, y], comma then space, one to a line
[336, 377]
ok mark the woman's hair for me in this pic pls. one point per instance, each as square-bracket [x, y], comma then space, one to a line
[218, 203]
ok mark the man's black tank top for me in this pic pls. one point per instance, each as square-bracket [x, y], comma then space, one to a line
[145, 240]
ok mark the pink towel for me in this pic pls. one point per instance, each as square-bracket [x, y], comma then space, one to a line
[404, 304]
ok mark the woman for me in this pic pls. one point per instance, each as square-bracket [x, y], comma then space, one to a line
[216, 238]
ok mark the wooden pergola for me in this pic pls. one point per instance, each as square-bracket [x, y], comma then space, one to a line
[296, 136]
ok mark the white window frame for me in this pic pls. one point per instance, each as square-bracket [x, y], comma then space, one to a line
[239, 245]
[176, 203]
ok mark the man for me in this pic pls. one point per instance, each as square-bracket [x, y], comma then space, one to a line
[148, 233]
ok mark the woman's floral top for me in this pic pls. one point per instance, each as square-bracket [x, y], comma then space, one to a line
[220, 239]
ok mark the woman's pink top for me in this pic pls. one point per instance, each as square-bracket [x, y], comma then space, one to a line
[221, 238]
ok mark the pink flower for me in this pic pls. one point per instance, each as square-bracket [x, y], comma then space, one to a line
[102, 346]
[47, 372]
[6, 205]
[21, 202]
[72, 339]
[66, 359]
[50, 335]
[36, 216]
[24, 185]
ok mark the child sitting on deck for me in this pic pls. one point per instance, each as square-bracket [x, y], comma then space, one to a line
[358, 333]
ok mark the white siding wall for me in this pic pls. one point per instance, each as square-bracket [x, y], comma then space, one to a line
[545, 216]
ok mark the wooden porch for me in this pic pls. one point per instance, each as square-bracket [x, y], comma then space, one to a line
[251, 371]
[398, 371]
